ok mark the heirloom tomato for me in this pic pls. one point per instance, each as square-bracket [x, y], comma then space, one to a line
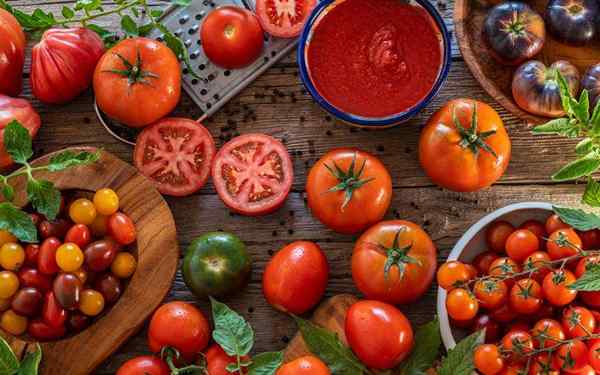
[307, 365]
[34, 278]
[217, 361]
[52, 313]
[12, 54]
[591, 81]
[144, 75]
[110, 287]
[14, 109]
[279, 18]
[144, 365]
[464, 146]
[99, 255]
[27, 301]
[573, 21]
[394, 262]
[348, 190]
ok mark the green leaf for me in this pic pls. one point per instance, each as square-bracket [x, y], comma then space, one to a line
[67, 159]
[584, 147]
[44, 197]
[582, 110]
[156, 13]
[565, 93]
[8, 192]
[560, 126]
[17, 222]
[31, 362]
[460, 359]
[17, 142]
[178, 48]
[265, 363]
[129, 26]
[591, 195]
[88, 5]
[67, 12]
[109, 38]
[595, 120]
[589, 281]
[426, 349]
[9, 364]
[578, 219]
[135, 12]
[327, 346]
[182, 2]
[146, 29]
[583, 166]
[232, 331]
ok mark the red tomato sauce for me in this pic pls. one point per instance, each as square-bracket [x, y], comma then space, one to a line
[375, 58]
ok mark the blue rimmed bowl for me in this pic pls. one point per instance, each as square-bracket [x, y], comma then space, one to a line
[318, 15]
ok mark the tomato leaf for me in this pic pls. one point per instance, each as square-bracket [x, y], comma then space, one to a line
[44, 197]
[232, 331]
[577, 218]
[265, 363]
[68, 158]
[18, 142]
[17, 222]
[31, 362]
[7, 191]
[9, 364]
[582, 109]
[459, 360]
[583, 166]
[591, 195]
[327, 346]
[595, 120]
[426, 349]
[129, 26]
[67, 12]
[589, 281]
[178, 48]
[560, 126]
[88, 5]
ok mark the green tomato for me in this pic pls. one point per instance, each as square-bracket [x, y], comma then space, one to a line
[216, 264]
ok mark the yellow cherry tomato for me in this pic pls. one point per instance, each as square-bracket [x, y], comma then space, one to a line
[91, 302]
[106, 201]
[82, 211]
[124, 265]
[69, 257]
[82, 275]
[6, 236]
[98, 227]
[5, 304]
[12, 256]
[9, 284]
[13, 323]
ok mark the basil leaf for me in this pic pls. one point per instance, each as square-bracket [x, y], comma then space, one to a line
[31, 362]
[565, 93]
[129, 26]
[591, 195]
[17, 222]
[578, 168]
[560, 126]
[67, 12]
[8, 192]
[578, 219]
[17, 142]
[67, 159]
[232, 332]
[9, 364]
[146, 29]
[44, 197]
[426, 349]
[327, 346]
[584, 147]
[178, 48]
[582, 110]
[265, 363]
[460, 359]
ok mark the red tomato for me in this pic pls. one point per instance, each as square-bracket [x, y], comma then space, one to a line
[307, 365]
[52, 312]
[47, 258]
[488, 359]
[536, 228]
[12, 54]
[32, 277]
[492, 328]
[578, 321]
[280, 19]
[144, 365]
[571, 357]
[585, 370]
[362, 177]
[413, 256]
[149, 86]
[461, 304]
[231, 37]
[517, 344]
[181, 326]
[14, 109]
[296, 277]
[176, 154]
[497, 233]
[554, 223]
[504, 267]
[80, 235]
[556, 289]
[594, 356]
[592, 299]
[526, 296]
[563, 243]
[217, 361]
[378, 333]
[547, 333]
[521, 243]
[253, 174]
[537, 261]
[56, 228]
[504, 314]
[32, 253]
[589, 239]
[491, 293]
[121, 228]
[483, 261]
[63, 62]
[41, 331]
[541, 364]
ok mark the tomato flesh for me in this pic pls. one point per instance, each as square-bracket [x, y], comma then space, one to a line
[284, 18]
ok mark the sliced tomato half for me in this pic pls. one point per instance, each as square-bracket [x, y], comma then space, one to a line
[176, 154]
[253, 174]
[284, 18]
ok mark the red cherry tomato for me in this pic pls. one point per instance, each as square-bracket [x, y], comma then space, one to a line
[537, 261]
[461, 304]
[52, 312]
[591, 299]
[556, 289]
[594, 356]
[571, 357]
[542, 364]
[504, 314]
[217, 361]
[526, 296]
[536, 228]
[491, 293]
[483, 261]
[590, 239]
[47, 258]
[563, 243]
[488, 360]
[57, 228]
[492, 328]
[281, 20]
[121, 228]
[13, 109]
[578, 321]
[547, 333]
[517, 344]
[505, 266]
[32, 277]
[497, 233]
[554, 223]
[378, 333]
[41, 331]
[144, 365]
[12, 54]
[32, 252]
[520, 244]
[79, 234]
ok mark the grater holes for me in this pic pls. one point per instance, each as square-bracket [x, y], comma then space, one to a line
[188, 43]
[211, 77]
[201, 66]
[185, 71]
[273, 53]
[203, 92]
[195, 81]
[183, 19]
[178, 32]
[227, 73]
[266, 59]
[194, 55]
[208, 105]
[193, 30]
[199, 16]
[216, 96]
[160, 38]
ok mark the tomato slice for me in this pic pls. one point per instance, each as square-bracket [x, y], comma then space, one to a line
[284, 18]
[253, 174]
[176, 154]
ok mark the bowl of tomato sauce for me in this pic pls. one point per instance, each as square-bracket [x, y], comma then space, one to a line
[374, 63]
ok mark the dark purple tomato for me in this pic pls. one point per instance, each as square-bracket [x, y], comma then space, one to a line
[573, 21]
[31, 277]
[53, 313]
[40, 330]
[57, 228]
[535, 87]
[110, 288]
[514, 32]
[492, 328]
[79, 234]
[47, 257]
[78, 322]
[591, 81]
[27, 301]
[67, 290]
[121, 228]
[100, 254]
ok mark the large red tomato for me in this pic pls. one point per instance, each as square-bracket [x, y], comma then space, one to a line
[462, 156]
[20, 110]
[137, 82]
[378, 333]
[349, 190]
[176, 154]
[283, 18]
[409, 253]
[217, 361]
[63, 63]
[144, 365]
[12, 54]
[253, 174]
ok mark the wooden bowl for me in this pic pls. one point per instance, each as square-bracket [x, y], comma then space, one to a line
[157, 255]
[495, 78]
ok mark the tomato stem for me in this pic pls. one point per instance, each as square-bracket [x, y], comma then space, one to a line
[88, 17]
[349, 180]
[134, 72]
[397, 256]
[471, 139]
[169, 353]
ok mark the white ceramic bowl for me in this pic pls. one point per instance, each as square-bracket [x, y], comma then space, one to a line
[472, 243]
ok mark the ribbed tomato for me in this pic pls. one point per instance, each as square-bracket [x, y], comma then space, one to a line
[15, 109]
[12, 54]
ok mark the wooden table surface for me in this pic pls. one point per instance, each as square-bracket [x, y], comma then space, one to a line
[277, 104]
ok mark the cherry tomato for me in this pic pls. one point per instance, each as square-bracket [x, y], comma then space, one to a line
[547, 333]
[82, 211]
[217, 361]
[497, 233]
[520, 244]
[41, 331]
[91, 302]
[585, 370]
[578, 321]
[556, 289]
[27, 301]
[32, 252]
[81, 275]
[518, 344]
[280, 20]
[365, 180]
[307, 365]
[69, 257]
[9, 284]
[13, 323]
[378, 333]
[13, 109]
[504, 314]
[106, 201]
[57, 228]
[554, 223]
[181, 326]
[590, 239]
[541, 364]
[146, 77]
[161, 149]
[144, 365]
[592, 299]
[537, 261]
[483, 261]
[67, 290]
[594, 356]
[492, 328]
[6, 236]
[110, 287]
[52, 313]
[526, 296]
[80, 235]
[537, 228]
[452, 274]
[12, 54]
[572, 356]
[253, 174]
[503, 267]
[563, 243]
[513, 369]
[124, 265]
[99, 226]
[461, 304]
[99, 255]
[488, 359]
[295, 278]
[12, 256]
[121, 228]
[231, 37]
[490, 293]
[47, 258]
[4, 304]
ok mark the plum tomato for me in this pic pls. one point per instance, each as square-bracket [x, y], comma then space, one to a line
[492, 328]
[578, 321]
[181, 326]
[280, 19]
[12, 54]
[591, 299]
[461, 304]
[573, 21]
[464, 147]
[80, 235]
[517, 344]
[69, 257]
[53, 313]
[110, 287]
[82, 211]
[121, 228]
[12, 256]
[394, 262]
[535, 86]
[521, 243]
[487, 359]
[307, 365]
[348, 190]
[555, 287]
[378, 333]
[232, 37]
[554, 223]
[217, 361]
[32, 252]
[591, 82]
[146, 77]
[40, 330]
[216, 264]
[483, 261]
[176, 155]
[124, 265]
[91, 302]
[13, 109]
[571, 356]
[32, 277]
[13, 323]
[547, 333]
[594, 356]
[496, 235]
[563, 243]
[99, 255]
[296, 277]
[514, 32]
[526, 296]
[27, 301]
[145, 365]
[452, 274]
[67, 290]
[9, 284]
[253, 174]
[536, 264]
[56, 228]
[106, 201]
[490, 293]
